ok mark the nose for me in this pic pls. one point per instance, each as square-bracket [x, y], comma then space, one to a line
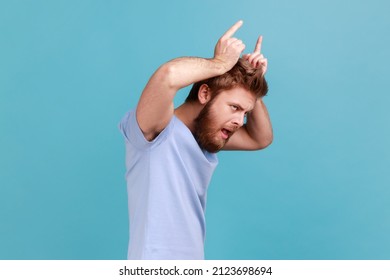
[239, 120]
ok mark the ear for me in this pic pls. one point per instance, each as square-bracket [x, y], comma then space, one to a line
[204, 94]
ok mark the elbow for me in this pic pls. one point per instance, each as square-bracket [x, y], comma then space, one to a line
[264, 142]
[168, 75]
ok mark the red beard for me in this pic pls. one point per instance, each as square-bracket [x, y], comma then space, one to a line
[207, 133]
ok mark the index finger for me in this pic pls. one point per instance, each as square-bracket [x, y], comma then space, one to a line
[258, 44]
[233, 29]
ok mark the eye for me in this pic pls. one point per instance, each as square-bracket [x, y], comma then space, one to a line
[234, 107]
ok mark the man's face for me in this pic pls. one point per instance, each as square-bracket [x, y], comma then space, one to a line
[221, 117]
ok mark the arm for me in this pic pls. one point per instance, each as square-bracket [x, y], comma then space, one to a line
[155, 108]
[257, 133]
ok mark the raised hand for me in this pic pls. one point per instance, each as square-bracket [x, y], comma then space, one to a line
[228, 49]
[257, 59]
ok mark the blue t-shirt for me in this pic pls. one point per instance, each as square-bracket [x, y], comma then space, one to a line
[167, 181]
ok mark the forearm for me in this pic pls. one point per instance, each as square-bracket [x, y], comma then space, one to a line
[184, 71]
[259, 126]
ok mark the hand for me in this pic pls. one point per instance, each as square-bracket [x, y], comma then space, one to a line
[256, 59]
[228, 49]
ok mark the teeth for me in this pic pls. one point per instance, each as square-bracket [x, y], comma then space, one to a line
[226, 132]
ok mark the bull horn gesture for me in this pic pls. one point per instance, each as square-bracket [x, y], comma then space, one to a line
[257, 59]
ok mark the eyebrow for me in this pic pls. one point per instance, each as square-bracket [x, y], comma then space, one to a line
[241, 108]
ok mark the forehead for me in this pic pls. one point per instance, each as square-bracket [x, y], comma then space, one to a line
[239, 96]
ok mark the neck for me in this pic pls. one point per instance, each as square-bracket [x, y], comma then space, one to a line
[187, 113]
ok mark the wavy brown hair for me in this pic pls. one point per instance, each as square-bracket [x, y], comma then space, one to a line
[241, 75]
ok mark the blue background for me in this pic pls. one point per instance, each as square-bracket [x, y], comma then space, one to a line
[69, 70]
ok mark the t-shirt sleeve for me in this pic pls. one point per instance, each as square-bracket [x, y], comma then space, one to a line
[130, 129]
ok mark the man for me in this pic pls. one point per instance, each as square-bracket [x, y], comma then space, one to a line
[171, 153]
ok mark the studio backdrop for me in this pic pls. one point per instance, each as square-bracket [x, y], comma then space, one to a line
[69, 70]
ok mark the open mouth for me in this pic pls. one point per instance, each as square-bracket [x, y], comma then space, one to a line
[225, 133]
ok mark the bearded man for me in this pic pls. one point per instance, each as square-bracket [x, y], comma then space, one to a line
[171, 153]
